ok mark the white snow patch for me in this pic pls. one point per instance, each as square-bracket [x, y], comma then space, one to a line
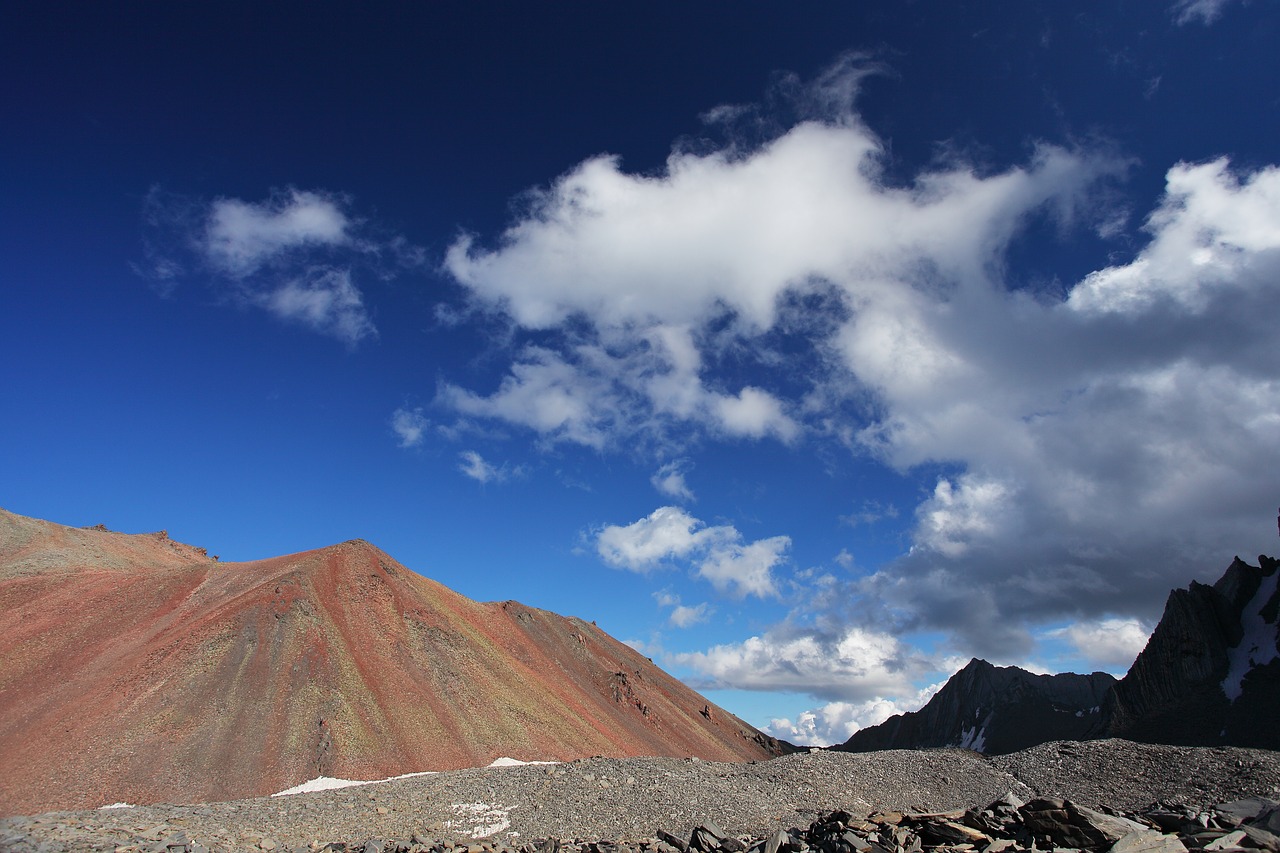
[328, 783]
[480, 820]
[974, 738]
[118, 806]
[1258, 645]
[515, 762]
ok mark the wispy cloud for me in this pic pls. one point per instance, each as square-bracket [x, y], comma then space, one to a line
[481, 470]
[1203, 11]
[670, 480]
[295, 254]
[241, 237]
[409, 425]
[683, 615]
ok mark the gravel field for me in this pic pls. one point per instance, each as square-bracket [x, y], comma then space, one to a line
[622, 799]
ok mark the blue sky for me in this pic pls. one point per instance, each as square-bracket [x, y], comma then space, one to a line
[812, 350]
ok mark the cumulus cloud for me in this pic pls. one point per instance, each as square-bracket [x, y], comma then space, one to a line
[855, 665]
[294, 254]
[1108, 644]
[836, 722]
[1097, 445]
[719, 554]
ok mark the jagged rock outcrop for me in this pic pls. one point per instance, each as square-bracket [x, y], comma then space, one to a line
[995, 709]
[137, 669]
[1210, 674]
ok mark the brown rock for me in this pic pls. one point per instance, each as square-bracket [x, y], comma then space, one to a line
[136, 669]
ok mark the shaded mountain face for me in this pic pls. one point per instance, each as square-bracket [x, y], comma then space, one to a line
[1210, 674]
[135, 668]
[995, 709]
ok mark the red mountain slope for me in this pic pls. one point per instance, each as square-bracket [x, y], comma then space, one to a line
[134, 668]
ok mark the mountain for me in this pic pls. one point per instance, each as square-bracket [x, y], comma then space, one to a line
[994, 709]
[1210, 674]
[136, 668]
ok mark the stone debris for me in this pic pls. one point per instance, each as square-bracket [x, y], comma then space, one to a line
[1104, 797]
[1008, 825]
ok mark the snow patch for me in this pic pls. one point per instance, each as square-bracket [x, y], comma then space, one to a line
[1258, 645]
[329, 783]
[974, 738]
[118, 806]
[480, 820]
[515, 762]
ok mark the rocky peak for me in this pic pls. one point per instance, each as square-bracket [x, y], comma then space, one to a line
[1210, 673]
[995, 709]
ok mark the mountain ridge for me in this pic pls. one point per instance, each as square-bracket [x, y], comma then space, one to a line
[1208, 676]
[994, 709]
[141, 670]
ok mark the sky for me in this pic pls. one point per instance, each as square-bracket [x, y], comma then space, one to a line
[811, 349]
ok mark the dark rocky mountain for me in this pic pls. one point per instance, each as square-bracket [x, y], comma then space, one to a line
[995, 709]
[1209, 676]
[135, 668]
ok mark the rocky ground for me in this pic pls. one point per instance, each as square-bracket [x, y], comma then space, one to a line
[1016, 801]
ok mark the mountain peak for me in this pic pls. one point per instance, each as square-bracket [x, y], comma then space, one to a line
[136, 673]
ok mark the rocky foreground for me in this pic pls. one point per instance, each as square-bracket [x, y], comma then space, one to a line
[1100, 796]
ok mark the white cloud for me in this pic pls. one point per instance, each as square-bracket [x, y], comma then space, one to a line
[325, 301]
[473, 465]
[1211, 229]
[1095, 450]
[1107, 644]
[856, 665]
[836, 722]
[745, 569]
[481, 470]
[240, 237]
[669, 480]
[1205, 11]
[294, 254]
[409, 425]
[683, 616]
[732, 566]
[548, 394]
[665, 533]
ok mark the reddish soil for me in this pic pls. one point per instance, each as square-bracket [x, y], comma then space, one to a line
[135, 668]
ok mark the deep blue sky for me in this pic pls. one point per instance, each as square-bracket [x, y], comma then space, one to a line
[892, 334]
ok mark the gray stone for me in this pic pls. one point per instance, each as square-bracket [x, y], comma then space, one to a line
[1228, 841]
[1111, 827]
[779, 840]
[1148, 841]
[1270, 821]
[1246, 809]
[1262, 838]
